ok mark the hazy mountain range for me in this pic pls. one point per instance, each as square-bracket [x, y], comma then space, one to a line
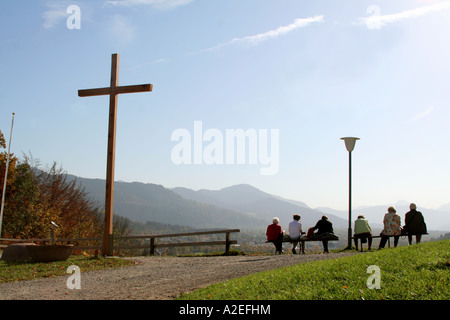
[436, 219]
[240, 206]
[256, 203]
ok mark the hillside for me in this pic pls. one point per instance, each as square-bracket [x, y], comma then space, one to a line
[150, 202]
[418, 272]
[250, 200]
[241, 206]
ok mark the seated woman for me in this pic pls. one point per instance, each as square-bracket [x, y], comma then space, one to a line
[362, 231]
[275, 234]
[392, 225]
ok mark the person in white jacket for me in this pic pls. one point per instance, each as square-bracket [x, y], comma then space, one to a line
[295, 231]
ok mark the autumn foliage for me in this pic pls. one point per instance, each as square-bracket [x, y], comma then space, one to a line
[35, 197]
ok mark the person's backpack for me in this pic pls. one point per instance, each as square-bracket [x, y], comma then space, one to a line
[310, 233]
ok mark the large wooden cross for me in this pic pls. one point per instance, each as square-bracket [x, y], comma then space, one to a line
[112, 91]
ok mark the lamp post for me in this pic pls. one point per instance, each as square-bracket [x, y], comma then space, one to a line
[349, 145]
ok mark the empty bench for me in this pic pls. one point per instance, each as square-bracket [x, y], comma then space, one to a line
[154, 244]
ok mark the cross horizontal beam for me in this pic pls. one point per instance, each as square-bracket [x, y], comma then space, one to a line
[115, 90]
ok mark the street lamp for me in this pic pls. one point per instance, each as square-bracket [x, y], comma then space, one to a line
[350, 145]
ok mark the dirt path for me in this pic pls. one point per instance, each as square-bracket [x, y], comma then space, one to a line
[153, 278]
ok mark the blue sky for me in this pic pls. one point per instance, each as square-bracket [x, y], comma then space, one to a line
[314, 71]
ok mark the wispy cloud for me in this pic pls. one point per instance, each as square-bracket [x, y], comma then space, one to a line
[158, 4]
[262, 37]
[120, 30]
[55, 13]
[143, 65]
[423, 114]
[377, 20]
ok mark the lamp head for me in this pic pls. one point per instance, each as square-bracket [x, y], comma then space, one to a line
[350, 143]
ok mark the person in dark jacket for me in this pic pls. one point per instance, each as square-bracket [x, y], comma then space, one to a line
[414, 224]
[324, 226]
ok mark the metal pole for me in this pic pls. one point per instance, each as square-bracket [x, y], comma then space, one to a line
[349, 145]
[6, 175]
[349, 200]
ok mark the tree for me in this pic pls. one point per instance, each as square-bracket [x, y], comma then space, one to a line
[11, 169]
[23, 211]
[76, 214]
[3, 163]
[37, 197]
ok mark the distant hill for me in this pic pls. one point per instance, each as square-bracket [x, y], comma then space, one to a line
[438, 220]
[241, 206]
[252, 201]
[150, 202]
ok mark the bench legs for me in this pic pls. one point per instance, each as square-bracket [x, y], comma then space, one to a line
[369, 241]
[301, 246]
[388, 239]
[418, 238]
[278, 246]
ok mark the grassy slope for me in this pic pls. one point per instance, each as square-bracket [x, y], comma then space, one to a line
[416, 272]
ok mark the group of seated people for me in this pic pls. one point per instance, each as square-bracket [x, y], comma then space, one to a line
[296, 235]
[414, 225]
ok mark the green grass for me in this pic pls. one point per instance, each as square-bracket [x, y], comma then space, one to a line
[416, 272]
[18, 271]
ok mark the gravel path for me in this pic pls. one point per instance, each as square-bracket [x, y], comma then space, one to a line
[153, 278]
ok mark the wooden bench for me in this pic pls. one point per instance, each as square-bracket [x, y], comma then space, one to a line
[302, 241]
[153, 244]
[379, 237]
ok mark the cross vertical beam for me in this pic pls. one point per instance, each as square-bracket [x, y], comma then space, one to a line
[111, 156]
[113, 91]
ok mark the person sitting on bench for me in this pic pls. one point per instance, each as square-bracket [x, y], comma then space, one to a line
[414, 224]
[362, 231]
[295, 231]
[275, 234]
[392, 225]
[323, 226]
